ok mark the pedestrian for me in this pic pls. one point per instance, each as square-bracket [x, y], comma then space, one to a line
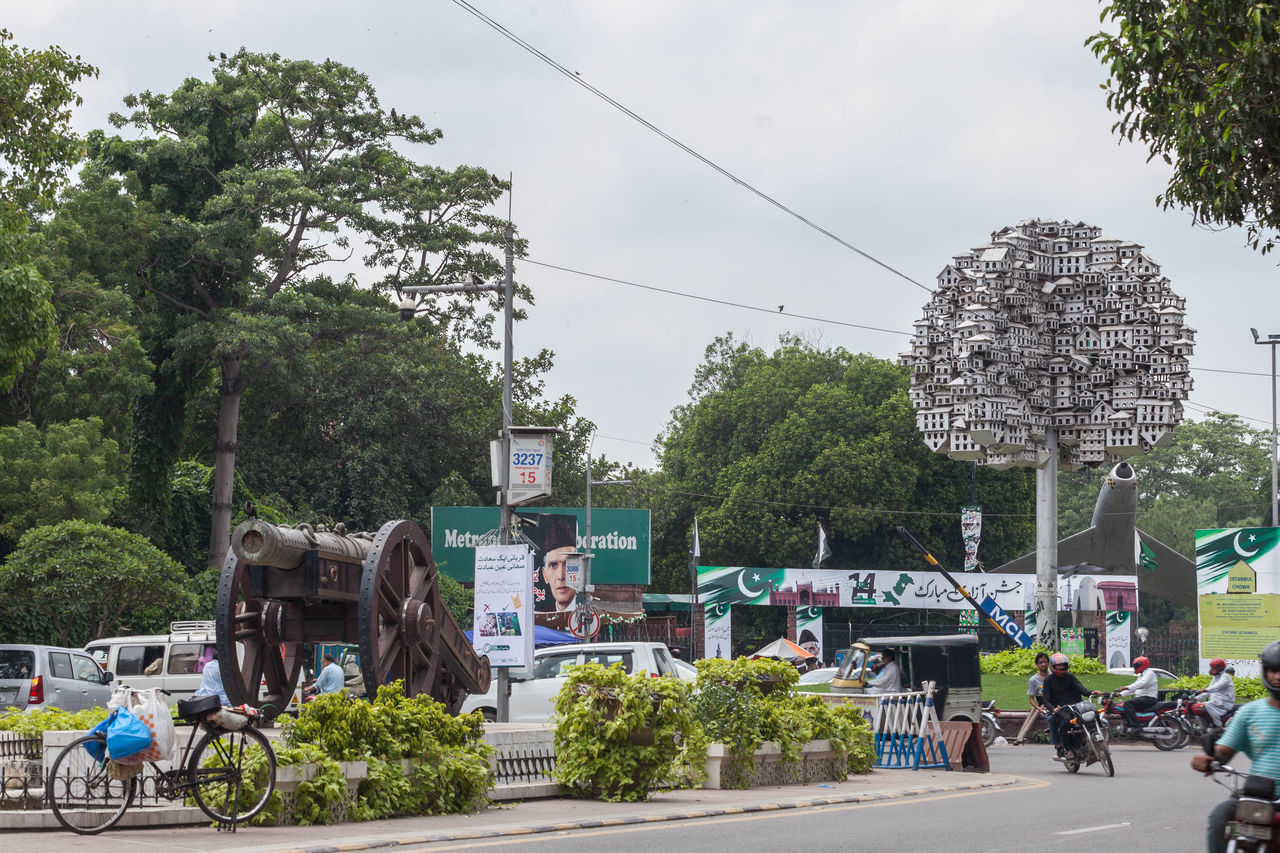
[1035, 692]
[211, 682]
[331, 678]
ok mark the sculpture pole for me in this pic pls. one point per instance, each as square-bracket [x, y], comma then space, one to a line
[1047, 545]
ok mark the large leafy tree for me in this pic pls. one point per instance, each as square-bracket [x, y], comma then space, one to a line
[1195, 81]
[772, 443]
[75, 581]
[36, 146]
[250, 181]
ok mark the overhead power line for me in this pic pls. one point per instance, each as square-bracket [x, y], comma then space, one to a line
[577, 78]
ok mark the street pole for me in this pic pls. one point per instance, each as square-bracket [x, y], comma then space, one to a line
[1272, 341]
[1047, 545]
[587, 586]
[507, 289]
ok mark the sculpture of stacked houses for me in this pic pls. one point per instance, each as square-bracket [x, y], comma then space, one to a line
[1050, 326]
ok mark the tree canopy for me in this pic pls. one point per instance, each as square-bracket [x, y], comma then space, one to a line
[1195, 81]
[772, 444]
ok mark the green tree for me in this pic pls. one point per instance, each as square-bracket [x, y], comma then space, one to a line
[75, 581]
[771, 444]
[36, 146]
[63, 472]
[251, 180]
[1194, 80]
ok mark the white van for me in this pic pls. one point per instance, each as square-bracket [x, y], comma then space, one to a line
[172, 661]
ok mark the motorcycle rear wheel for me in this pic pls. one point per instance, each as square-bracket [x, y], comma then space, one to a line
[1174, 738]
[989, 731]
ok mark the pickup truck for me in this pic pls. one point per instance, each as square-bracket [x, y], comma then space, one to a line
[533, 698]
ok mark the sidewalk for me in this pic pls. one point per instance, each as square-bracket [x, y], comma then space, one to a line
[518, 818]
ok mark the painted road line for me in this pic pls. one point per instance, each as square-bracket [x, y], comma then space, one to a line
[1099, 828]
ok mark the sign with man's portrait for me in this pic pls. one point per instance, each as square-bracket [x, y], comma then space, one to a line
[555, 537]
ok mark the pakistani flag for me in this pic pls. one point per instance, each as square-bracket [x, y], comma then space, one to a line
[823, 550]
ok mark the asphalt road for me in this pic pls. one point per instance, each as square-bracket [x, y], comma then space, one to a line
[1155, 802]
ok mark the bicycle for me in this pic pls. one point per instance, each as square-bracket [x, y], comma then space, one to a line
[87, 797]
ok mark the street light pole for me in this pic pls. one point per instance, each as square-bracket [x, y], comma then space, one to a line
[507, 289]
[587, 586]
[1272, 341]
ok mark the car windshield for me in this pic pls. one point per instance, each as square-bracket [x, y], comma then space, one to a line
[17, 663]
[851, 668]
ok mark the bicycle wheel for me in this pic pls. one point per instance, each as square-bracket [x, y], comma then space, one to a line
[230, 778]
[84, 798]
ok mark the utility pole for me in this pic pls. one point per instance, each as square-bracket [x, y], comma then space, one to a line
[1272, 341]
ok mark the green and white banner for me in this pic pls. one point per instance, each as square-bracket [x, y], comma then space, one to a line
[620, 539]
[717, 631]
[1238, 581]
[809, 630]
[1220, 551]
[1118, 643]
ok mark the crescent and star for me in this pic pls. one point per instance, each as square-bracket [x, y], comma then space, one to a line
[1242, 552]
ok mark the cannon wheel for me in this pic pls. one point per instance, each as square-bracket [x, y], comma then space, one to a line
[400, 616]
[251, 631]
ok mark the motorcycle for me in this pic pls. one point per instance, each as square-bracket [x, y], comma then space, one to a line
[990, 725]
[1159, 724]
[1084, 739]
[1197, 721]
[1252, 826]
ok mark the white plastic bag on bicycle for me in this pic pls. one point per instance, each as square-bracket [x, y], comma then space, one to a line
[150, 707]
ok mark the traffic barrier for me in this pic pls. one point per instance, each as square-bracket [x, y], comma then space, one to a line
[907, 733]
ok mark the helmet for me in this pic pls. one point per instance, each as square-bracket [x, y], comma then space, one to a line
[1270, 658]
[1060, 663]
[1140, 664]
[1216, 666]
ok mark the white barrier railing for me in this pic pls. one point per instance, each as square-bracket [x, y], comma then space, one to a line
[906, 729]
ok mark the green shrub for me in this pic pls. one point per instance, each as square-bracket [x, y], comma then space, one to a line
[1247, 689]
[51, 720]
[618, 736]
[1023, 662]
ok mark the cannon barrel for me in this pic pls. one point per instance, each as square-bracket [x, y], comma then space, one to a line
[260, 543]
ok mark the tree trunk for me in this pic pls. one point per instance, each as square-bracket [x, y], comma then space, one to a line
[224, 465]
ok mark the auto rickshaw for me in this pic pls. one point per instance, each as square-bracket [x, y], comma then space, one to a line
[948, 660]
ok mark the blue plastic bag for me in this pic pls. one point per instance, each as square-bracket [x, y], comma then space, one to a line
[95, 748]
[126, 734]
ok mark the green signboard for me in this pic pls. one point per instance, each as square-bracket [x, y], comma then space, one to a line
[621, 546]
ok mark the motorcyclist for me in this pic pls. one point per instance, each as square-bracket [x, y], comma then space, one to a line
[1062, 690]
[1255, 731]
[1145, 693]
[1220, 696]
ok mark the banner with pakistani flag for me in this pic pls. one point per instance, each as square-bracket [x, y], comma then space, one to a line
[1238, 581]
[809, 630]
[718, 630]
[1118, 642]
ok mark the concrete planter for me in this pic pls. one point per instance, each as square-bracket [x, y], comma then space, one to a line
[289, 777]
[818, 763]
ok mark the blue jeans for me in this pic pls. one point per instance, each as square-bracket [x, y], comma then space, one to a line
[1216, 833]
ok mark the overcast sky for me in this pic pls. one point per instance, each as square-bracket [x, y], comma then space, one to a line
[910, 130]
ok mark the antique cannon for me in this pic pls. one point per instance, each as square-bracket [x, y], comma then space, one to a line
[283, 587]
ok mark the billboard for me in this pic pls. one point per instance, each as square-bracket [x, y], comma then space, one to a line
[620, 539]
[503, 621]
[1238, 586]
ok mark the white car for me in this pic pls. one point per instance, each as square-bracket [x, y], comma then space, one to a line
[819, 676]
[1161, 674]
[533, 699]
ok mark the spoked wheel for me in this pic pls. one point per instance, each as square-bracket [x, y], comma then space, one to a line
[1103, 754]
[1174, 738]
[1071, 761]
[400, 616]
[988, 731]
[84, 798]
[252, 632]
[232, 774]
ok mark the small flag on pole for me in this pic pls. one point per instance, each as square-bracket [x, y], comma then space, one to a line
[823, 550]
[696, 551]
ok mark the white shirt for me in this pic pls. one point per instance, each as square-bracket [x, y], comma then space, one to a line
[888, 680]
[1145, 685]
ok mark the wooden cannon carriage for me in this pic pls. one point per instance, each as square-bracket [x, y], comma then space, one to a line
[283, 587]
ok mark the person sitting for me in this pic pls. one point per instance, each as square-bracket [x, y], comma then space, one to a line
[1061, 690]
[1220, 696]
[211, 682]
[331, 678]
[888, 677]
[1145, 692]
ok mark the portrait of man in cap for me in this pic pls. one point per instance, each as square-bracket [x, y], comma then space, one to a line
[558, 537]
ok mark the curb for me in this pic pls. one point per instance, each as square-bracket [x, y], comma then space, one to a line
[345, 846]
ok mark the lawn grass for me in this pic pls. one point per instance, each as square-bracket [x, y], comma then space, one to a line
[1010, 691]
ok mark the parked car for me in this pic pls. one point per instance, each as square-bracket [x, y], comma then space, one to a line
[685, 670]
[1161, 674]
[533, 698]
[33, 678]
[822, 675]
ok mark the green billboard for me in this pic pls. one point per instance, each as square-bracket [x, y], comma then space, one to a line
[620, 546]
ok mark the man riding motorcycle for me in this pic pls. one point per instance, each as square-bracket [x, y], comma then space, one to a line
[1062, 690]
[1145, 692]
[1255, 731]
[1220, 696]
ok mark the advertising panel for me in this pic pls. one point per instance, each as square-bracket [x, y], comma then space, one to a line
[809, 630]
[620, 539]
[717, 627]
[1237, 580]
[503, 623]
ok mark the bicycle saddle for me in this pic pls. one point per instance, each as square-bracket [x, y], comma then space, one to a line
[197, 707]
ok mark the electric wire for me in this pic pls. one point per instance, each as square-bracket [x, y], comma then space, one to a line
[577, 78]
